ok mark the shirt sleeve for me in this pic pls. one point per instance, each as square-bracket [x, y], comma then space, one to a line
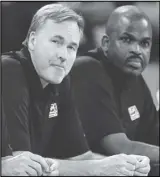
[72, 137]
[148, 130]
[16, 103]
[95, 100]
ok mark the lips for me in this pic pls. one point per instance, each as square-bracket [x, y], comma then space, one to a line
[58, 66]
[135, 63]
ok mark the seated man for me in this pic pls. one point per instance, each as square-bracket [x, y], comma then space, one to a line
[41, 116]
[114, 102]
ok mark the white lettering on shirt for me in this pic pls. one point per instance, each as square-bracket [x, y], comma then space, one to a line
[53, 110]
[133, 112]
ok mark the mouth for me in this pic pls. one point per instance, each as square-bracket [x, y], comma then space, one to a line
[135, 63]
[58, 66]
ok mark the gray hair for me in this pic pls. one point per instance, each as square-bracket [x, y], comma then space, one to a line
[56, 12]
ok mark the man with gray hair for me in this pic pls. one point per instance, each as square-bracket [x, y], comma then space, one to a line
[41, 116]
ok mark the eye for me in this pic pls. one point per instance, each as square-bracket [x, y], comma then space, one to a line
[145, 43]
[126, 39]
[72, 48]
[55, 41]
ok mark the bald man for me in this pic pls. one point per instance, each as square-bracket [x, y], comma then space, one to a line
[114, 102]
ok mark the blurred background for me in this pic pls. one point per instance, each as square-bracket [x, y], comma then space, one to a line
[16, 18]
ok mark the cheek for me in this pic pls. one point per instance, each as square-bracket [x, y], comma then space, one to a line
[118, 49]
[122, 48]
[147, 54]
[40, 52]
[42, 65]
[146, 57]
[70, 63]
[42, 60]
[45, 48]
[44, 54]
[118, 52]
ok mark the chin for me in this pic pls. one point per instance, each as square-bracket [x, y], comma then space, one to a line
[57, 80]
[132, 72]
[136, 74]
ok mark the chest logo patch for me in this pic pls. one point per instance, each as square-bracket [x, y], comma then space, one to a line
[53, 110]
[133, 112]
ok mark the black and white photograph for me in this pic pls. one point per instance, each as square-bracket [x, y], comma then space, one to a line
[79, 88]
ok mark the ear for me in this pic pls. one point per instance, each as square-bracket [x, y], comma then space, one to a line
[32, 40]
[105, 43]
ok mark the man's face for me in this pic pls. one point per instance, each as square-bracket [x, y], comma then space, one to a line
[53, 49]
[130, 45]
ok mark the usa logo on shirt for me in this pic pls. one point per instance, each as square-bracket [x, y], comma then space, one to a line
[53, 110]
[133, 112]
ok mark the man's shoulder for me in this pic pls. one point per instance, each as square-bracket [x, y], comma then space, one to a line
[88, 66]
[9, 60]
[90, 70]
[12, 68]
[87, 61]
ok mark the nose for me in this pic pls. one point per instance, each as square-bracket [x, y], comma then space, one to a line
[136, 49]
[62, 54]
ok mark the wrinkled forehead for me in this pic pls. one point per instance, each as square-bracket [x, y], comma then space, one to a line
[140, 27]
[68, 29]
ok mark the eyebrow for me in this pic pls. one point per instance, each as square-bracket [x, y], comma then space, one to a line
[133, 37]
[62, 39]
[58, 36]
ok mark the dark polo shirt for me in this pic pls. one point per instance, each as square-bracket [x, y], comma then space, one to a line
[43, 121]
[110, 101]
[5, 143]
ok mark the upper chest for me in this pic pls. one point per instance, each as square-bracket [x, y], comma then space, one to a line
[130, 104]
[45, 109]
